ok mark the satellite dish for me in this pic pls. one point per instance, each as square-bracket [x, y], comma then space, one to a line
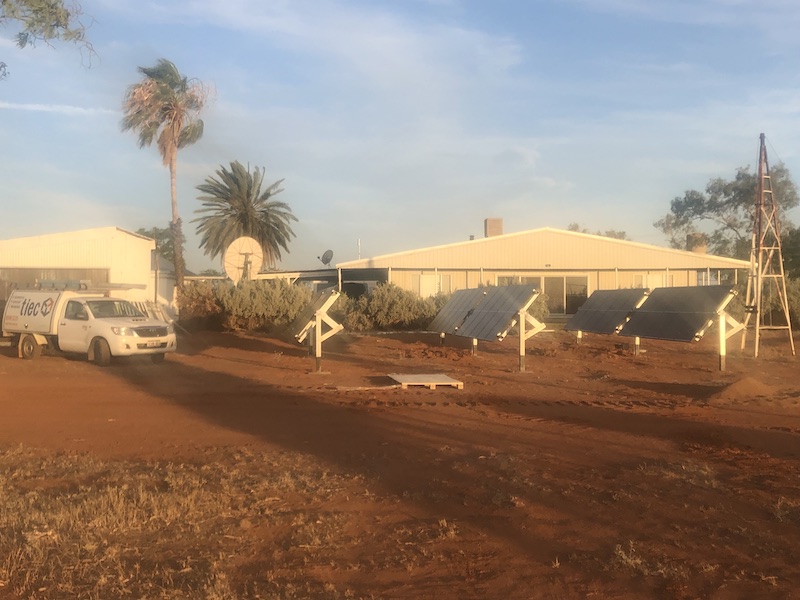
[326, 257]
[243, 259]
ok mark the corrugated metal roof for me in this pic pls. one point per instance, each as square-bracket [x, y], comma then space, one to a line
[87, 248]
[548, 248]
[80, 233]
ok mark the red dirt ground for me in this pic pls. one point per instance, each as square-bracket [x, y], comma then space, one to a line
[593, 474]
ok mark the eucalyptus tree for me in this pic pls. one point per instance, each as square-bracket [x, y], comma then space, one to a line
[44, 21]
[165, 107]
[235, 205]
[724, 212]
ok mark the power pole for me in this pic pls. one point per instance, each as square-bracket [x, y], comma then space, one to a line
[766, 282]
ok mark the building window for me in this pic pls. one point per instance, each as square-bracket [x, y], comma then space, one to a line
[536, 282]
[576, 293]
[565, 295]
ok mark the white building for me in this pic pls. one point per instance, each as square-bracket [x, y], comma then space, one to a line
[566, 265]
[104, 258]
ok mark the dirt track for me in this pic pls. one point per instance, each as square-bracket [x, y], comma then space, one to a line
[593, 474]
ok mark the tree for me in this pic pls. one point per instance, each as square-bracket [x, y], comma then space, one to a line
[790, 250]
[165, 106]
[43, 21]
[163, 239]
[235, 205]
[724, 213]
[609, 233]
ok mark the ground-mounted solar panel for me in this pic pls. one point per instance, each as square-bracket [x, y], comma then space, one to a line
[307, 317]
[453, 314]
[680, 314]
[497, 312]
[606, 311]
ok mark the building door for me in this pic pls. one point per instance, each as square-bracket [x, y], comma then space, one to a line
[554, 289]
[428, 285]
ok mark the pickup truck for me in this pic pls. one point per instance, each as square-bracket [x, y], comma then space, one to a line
[98, 327]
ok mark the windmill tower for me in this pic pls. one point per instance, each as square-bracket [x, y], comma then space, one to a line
[766, 282]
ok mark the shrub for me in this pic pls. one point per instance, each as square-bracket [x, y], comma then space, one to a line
[386, 308]
[248, 306]
[200, 307]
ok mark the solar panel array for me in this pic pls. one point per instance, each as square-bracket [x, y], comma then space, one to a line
[484, 313]
[679, 314]
[606, 311]
[498, 311]
[453, 314]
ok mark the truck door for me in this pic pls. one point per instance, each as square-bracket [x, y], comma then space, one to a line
[74, 331]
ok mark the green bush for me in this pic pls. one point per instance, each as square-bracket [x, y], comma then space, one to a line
[199, 305]
[386, 308]
[249, 306]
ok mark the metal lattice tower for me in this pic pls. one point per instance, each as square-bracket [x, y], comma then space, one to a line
[766, 282]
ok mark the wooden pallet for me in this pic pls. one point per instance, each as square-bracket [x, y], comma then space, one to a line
[428, 380]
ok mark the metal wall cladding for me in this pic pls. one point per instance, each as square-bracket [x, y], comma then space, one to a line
[125, 256]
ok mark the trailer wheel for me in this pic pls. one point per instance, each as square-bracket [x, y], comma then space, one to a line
[157, 358]
[29, 348]
[102, 353]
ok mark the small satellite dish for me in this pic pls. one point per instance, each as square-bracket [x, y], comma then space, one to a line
[326, 257]
[243, 259]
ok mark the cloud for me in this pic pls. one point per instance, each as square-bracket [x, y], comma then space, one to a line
[62, 109]
[778, 20]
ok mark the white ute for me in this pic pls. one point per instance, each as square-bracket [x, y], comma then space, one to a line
[96, 326]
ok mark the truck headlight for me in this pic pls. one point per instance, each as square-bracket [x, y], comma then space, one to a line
[122, 331]
[170, 328]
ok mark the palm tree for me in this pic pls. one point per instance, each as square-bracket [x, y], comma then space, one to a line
[165, 106]
[234, 205]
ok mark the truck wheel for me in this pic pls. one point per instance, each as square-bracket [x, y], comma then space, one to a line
[157, 358]
[102, 353]
[29, 347]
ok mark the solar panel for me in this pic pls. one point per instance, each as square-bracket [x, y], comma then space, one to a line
[680, 314]
[455, 312]
[496, 314]
[606, 311]
[305, 320]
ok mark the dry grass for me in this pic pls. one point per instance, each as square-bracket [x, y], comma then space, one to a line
[241, 525]
[75, 527]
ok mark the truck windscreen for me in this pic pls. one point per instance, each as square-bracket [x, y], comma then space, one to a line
[109, 309]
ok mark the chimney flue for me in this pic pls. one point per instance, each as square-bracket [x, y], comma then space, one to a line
[492, 227]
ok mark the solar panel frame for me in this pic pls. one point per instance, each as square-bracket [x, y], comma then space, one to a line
[606, 311]
[305, 320]
[679, 314]
[497, 313]
[453, 314]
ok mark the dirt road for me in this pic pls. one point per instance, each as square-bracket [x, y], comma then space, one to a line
[592, 474]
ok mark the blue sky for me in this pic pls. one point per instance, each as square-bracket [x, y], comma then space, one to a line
[405, 123]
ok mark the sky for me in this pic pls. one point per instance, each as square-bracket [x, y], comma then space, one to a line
[401, 124]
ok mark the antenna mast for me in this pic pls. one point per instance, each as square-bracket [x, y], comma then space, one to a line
[766, 282]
